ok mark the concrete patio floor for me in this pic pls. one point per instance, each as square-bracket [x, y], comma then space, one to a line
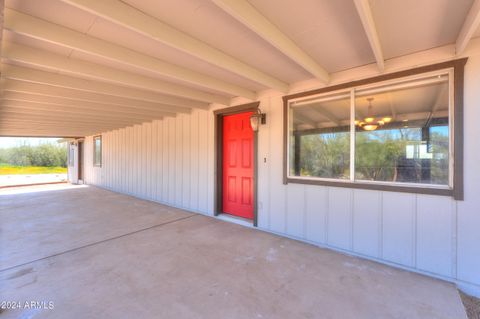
[99, 254]
[21, 179]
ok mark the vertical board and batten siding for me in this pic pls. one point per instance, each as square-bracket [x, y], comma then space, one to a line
[165, 161]
[171, 161]
[466, 231]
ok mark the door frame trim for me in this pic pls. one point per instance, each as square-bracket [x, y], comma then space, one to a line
[218, 137]
[81, 160]
[76, 142]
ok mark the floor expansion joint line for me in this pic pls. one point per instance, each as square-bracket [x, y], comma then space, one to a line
[98, 242]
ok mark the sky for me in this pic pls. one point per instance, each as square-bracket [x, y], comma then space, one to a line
[6, 142]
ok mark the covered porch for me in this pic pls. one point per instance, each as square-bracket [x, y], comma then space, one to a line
[99, 254]
[339, 139]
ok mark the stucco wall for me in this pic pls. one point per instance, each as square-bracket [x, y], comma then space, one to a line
[172, 161]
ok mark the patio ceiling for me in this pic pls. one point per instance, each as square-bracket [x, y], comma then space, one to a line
[80, 67]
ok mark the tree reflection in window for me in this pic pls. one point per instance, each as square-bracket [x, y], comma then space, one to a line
[401, 134]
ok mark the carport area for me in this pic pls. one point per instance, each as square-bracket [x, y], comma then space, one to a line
[100, 254]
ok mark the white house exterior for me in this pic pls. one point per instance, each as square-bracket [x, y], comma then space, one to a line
[172, 161]
[143, 91]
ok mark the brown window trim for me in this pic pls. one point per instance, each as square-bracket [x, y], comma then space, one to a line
[456, 192]
[101, 148]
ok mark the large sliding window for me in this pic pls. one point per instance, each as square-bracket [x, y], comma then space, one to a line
[396, 134]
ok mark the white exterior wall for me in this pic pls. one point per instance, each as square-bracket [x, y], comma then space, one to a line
[169, 161]
[172, 161]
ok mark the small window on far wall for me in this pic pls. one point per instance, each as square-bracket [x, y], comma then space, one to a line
[97, 151]
[395, 135]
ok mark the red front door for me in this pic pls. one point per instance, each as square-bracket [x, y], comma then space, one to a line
[238, 165]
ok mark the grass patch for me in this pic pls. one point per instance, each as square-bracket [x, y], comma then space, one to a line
[6, 169]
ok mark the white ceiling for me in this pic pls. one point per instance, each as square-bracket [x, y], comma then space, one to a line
[407, 26]
[329, 31]
[204, 20]
[224, 55]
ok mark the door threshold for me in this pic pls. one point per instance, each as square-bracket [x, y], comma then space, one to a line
[235, 219]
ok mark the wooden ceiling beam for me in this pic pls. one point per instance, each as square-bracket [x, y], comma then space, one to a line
[80, 68]
[125, 15]
[34, 76]
[18, 86]
[326, 114]
[81, 105]
[249, 16]
[18, 113]
[34, 124]
[46, 126]
[30, 26]
[57, 110]
[52, 130]
[48, 131]
[44, 134]
[305, 119]
[470, 26]
[365, 13]
[20, 133]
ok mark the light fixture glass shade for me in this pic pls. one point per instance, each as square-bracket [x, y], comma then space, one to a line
[370, 127]
[370, 122]
[254, 122]
[256, 119]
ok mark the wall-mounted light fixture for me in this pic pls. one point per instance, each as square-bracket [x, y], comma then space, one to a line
[256, 119]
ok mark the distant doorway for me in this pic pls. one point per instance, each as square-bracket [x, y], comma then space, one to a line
[80, 162]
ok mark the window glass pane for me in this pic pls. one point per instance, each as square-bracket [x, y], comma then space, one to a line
[98, 151]
[402, 132]
[320, 137]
